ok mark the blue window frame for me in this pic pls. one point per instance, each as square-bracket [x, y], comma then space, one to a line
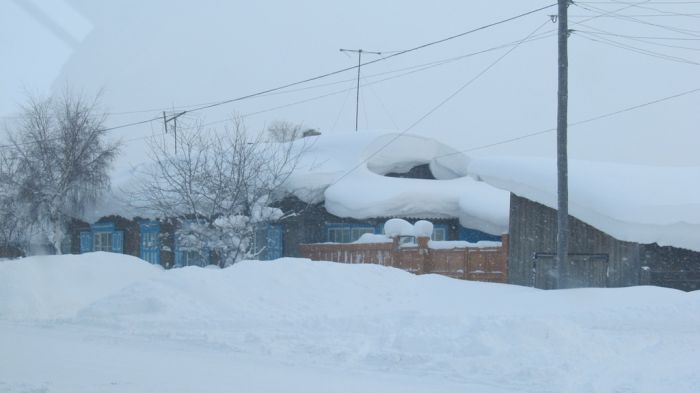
[440, 232]
[102, 237]
[85, 242]
[150, 241]
[275, 241]
[190, 257]
[347, 233]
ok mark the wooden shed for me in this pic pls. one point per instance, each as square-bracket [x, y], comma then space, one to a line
[596, 259]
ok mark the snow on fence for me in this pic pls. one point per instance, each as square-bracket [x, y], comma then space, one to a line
[467, 263]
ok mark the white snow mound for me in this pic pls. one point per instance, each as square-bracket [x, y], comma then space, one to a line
[423, 228]
[398, 227]
[120, 316]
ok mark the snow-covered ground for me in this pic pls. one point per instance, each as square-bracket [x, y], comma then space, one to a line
[112, 323]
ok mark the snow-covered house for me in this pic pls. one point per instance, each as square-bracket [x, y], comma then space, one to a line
[629, 225]
[349, 184]
[345, 185]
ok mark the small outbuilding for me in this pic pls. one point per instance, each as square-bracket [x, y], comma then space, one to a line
[629, 225]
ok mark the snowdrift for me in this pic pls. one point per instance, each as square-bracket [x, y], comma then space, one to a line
[333, 318]
[347, 171]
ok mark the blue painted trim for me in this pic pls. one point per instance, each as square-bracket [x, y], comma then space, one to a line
[274, 242]
[118, 242]
[149, 254]
[85, 241]
[445, 227]
[474, 235]
[103, 227]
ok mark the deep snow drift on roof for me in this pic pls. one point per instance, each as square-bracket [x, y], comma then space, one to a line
[643, 204]
[347, 172]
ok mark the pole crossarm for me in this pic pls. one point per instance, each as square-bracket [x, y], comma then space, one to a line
[359, 67]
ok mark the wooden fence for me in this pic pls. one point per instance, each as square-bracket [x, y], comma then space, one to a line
[467, 263]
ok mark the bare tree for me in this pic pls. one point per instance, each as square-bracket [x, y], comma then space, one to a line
[219, 187]
[61, 161]
[14, 225]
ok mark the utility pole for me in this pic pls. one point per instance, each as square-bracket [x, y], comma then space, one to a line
[359, 66]
[562, 154]
[172, 118]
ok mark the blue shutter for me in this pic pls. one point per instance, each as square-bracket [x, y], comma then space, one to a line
[150, 242]
[118, 242]
[275, 242]
[85, 242]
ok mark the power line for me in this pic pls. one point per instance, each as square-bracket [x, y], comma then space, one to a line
[669, 13]
[438, 106]
[285, 86]
[641, 2]
[422, 46]
[577, 123]
[635, 49]
[647, 15]
[617, 15]
[641, 37]
[136, 123]
[602, 32]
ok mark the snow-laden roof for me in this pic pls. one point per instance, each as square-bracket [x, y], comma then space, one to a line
[347, 172]
[643, 204]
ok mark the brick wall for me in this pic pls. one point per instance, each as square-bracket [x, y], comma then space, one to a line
[476, 264]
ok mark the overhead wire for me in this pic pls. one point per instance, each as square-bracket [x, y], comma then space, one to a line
[405, 51]
[369, 84]
[617, 15]
[574, 124]
[438, 106]
[336, 72]
[635, 49]
[602, 32]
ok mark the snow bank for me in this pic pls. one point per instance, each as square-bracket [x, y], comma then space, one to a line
[642, 204]
[130, 325]
[51, 287]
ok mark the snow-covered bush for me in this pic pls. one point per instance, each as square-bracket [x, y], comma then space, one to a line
[220, 187]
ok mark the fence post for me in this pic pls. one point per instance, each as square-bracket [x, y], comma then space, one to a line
[465, 274]
[424, 253]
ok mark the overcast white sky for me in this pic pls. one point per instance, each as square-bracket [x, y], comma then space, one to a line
[153, 55]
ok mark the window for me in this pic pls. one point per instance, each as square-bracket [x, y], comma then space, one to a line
[340, 233]
[439, 233]
[150, 240]
[193, 258]
[102, 241]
